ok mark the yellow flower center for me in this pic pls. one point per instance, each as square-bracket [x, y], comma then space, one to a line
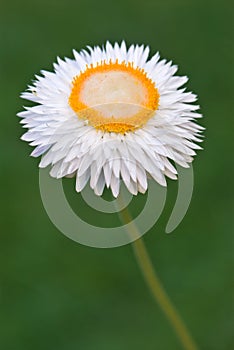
[114, 97]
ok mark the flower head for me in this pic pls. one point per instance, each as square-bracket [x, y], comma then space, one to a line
[110, 114]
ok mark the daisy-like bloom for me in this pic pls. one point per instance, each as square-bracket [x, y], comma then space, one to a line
[112, 113]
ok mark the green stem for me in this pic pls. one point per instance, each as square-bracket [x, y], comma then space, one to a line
[155, 285]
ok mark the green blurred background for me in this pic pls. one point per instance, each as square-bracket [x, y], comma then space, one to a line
[57, 294]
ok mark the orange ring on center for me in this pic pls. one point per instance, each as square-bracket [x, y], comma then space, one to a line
[114, 97]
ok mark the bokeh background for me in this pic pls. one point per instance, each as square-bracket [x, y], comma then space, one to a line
[57, 294]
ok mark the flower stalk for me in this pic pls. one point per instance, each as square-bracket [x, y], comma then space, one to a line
[155, 286]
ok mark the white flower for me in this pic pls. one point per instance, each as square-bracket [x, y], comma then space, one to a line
[111, 114]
